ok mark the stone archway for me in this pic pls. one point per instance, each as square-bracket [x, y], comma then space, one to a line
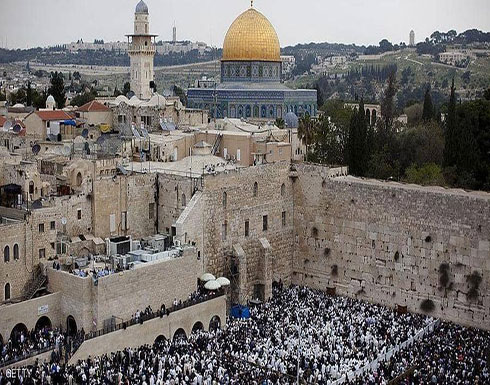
[160, 339]
[180, 334]
[43, 322]
[215, 323]
[197, 327]
[374, 117]
[71, 326]
[17, 331]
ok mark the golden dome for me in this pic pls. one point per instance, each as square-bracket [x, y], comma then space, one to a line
[251, 37]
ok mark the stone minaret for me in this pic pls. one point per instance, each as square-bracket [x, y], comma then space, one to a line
[141, 52]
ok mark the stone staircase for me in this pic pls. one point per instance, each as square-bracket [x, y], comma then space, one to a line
[37, 283]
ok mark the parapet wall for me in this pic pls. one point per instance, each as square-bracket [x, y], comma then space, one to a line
[390, 243]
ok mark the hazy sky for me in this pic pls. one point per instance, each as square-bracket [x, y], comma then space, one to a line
[30, 23]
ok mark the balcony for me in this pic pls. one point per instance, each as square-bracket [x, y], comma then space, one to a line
[135, 48]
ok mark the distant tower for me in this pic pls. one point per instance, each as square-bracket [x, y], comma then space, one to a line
[141, 51]
[412, 38]
[174, 39]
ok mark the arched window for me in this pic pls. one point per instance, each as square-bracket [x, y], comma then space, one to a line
[7, 291]
[16, 251]
[6, 254]
[79, 179]
[184, 202]
[256, 189]
[225, 199]
[283, 189]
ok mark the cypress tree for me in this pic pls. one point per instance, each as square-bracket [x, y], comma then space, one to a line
[57, 89]
[451, 147]
[428, 112]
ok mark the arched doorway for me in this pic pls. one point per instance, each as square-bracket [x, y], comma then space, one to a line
[18, 330]
[373, 117]
[197, 327]
[180, 335]
[215, 323]
[79, 179]
[160, 340]
[43, 322]
[71, 326]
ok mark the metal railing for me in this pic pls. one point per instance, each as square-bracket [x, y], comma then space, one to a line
[158, 314]
[26, 356]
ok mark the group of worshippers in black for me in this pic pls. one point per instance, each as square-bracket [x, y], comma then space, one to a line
[325, 336]
[22, 343]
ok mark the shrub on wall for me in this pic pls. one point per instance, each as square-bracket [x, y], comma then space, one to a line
[326, 252]
[397, 256]
[427, 305]
[474, 281]
[444, 275]
[335, 270]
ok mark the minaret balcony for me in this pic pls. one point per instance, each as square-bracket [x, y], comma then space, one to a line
[146, 49]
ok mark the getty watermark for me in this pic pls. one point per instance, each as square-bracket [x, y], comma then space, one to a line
[15, 373]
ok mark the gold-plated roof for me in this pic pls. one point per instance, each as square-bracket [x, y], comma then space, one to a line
[251, 37]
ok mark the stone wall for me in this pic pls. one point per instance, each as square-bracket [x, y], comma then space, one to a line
[29, 312]
[389, 243]
[130, 195]
[122, 294]
[138, 335]
[219, 224]
[154, 284]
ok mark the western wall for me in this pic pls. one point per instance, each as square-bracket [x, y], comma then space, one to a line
[394, 244]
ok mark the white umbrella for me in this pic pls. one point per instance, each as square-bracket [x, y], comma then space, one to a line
[212, 285]
[223, 281]
[207, 277]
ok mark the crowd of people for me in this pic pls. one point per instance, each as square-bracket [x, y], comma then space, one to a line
[324, 336]
[23, 343]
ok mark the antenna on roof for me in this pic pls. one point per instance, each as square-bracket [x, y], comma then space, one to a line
[85, 133]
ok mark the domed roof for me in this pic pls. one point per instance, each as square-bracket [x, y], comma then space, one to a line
[141, 7]
[251, 37]
[291, 120]
[50, 99]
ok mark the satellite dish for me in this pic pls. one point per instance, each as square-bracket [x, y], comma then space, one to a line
[63, 221]
[37, 204]
[17, 128]
[35, 149]
[85, 133]
[7, 125]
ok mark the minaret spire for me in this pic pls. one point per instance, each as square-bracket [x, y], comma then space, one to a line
[251, 3]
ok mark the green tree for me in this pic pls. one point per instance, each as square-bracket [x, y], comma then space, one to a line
[29, 94]
[57, 89]
[84, 98]
[428, 112]
[306, 131]
[358, 150]
[126, 88]
[388, 104]
[280, 123]
[451, 146]
[328, 147]
[429, 174]
[181, 94]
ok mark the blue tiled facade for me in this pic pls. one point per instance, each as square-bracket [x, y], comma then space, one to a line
[252, 90]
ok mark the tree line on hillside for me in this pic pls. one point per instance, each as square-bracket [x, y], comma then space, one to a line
[113, 57]
[435, 44]
[431, 151]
